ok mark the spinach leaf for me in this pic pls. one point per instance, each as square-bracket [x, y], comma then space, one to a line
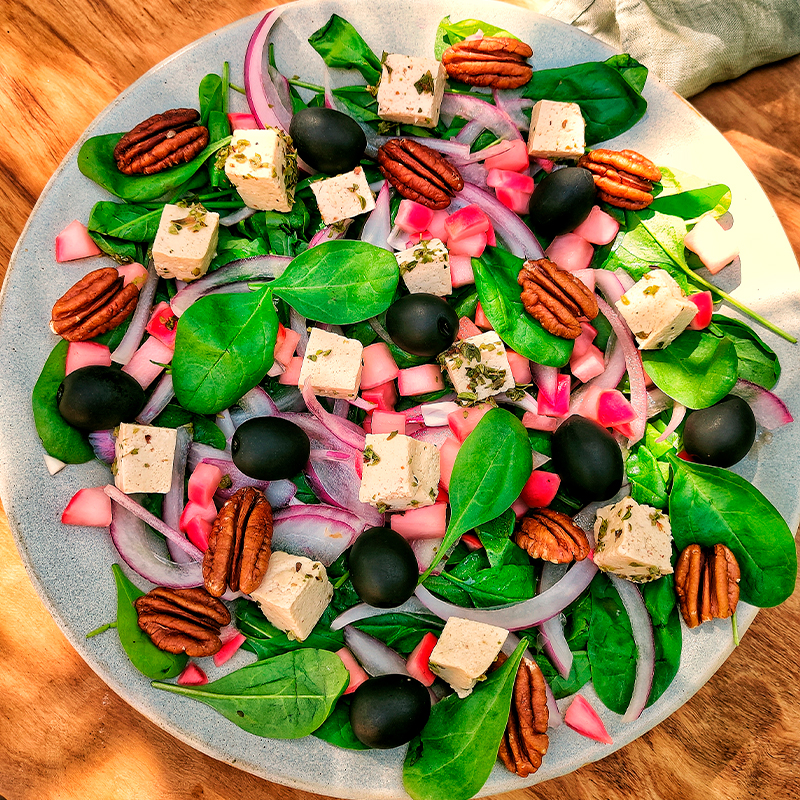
[710, 505]
[121, 251]
[495, 536]
[285, 697]
[490, 470]
[204, 431]
[659, 598]
[693, 203]
[511, 583]
[630, 69]
[339, 282]
[218, 128]
[337, 730]
[496, 274]
[342, 47]
[402, 632]
[697, 369]
[59, 438]
[224, 347]
[124, 221]
[579, 675]
[648, 483]
[144, 655]
[211, 97]
[453, 756]
[758, 362]
[449, 33]
[358, 103]
[675, 181]
[653, 431]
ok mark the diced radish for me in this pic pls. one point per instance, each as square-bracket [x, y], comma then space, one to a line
[192, 675]
[203, 483]
[53, 465]
[537, 422]
[420, 380]
[466, 222]
[163, 324]
[417, 662]
[581, 717]
[87, 354]
[461, 273]
[545, 163]
[546, 380]
[491, 239]
[598, 227]
[384, 396]
[429, 522]
[587, 405]
[519, 202]
[133, 273]
[559, 407]
[589, 365]
[91, 506]
[467, 328]
[480, 319]
[367, 423]
[242, 122]
[685, 456]
[714, 246]
[148, 361]
[540, 488]
[515, 158]
[472, 246]
[416, 238]
[197, 531]
[570, 252]
[291, 376]
[463, 421]
[74, 242]
[586, 277]
[507, 179]
[613, 409]
[207, 512]
[520, 367]
[520, 508]
[388, 422]
[447, 458]
[471, 542]
[425, 550]
[379, 365]
[413, 217]
[357, 674]
[229, 649]
[442, 497]
[284, 350]
[436, 225]
[705, 308]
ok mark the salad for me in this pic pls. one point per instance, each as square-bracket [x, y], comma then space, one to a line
[292, 272]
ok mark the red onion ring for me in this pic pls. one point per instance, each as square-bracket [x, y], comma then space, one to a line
[173, 499]
[237, 216]
[319, 532]
[471, 107]
[144, 305]
[513, 106]
[158, 400]
[678, 413]
[609, 284]
[378, 225]
[330, 233]
[373, 654]
[344, 430]
[552, 630]
[364, 611]
[769, 410]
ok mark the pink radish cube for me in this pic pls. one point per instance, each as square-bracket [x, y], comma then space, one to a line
[357, 674]
[425, 550]
[570, 252]
[436, 226]
[519, 202]
[472, 246]
[148, 361]
[379, 365]
[367, 423]
[589, 365]
[197, 531]
[705, 308]
[714, 246]
[163, 324]
[291, 376]
[87, 354]
[480, 319]
[420, 380]
[133, 273]
[447, 458]
[207, 512]
[90, 507]
[587, 405]
[463, 421]
[471, 542]
[416, 238]
[242, 122]
[74, 242]
[466, 222]
[613, 409]
[413, 217]
[520, 367]
[546, 380]
[506, 179]
[384, 396]
[442, 497]
[520, 508]
[559, 407]
[586, 277]
[417, 662]
[203, 483]
[491, 239]
[388, 422]
[515, 158]
[229, 649]
[598, 227]
[284, 350]
[192, 675]
[461, 273]
[467, 328]
[429, 522]
[537, 422]
[540, 488]
[581, 717]
[545, 163]
[581, 346]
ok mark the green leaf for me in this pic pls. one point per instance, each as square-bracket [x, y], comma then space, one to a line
[692, 204]
[648, 484]
[285, 697]
[211, 97]
[337, 730]
[204, 431]
[579, 675]
[496, 274]
[710, 505]
[402, 632]
[758, 362]
[342, 47]
[59, 439]
[124, 221]
[224, 347]
[675, 182]
[449, 33]
[495, 536]
[630, 69]
[697, 369]
[659, 599]
[453, 756]
[339, 282]
[144, 655]
[510, 583]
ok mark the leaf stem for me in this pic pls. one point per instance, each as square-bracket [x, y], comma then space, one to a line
[101, 629]
[226, 83]
[303, 85]
[237, 88]
[735, 627]
[341, 580]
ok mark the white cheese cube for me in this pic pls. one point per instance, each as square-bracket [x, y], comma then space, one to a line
[343, 197]
[633, 541]
[425, 267]
[411, 90]
[399, 472]
[144, 456]
[262, 165]
[557, 130]
[714, 246]
[294, 593]
[185, 242]
[332, 364]
[478, 367]
[656, 310]
[464, 652]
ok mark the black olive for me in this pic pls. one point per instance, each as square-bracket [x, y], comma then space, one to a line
[721, 435]
[562, 201]
[327, 140]
[270, 448]
[389, 710]
[588, 459]
[97, 398]
[422, 324]
[383, 568]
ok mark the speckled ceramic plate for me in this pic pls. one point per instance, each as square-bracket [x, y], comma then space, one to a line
[72, 572]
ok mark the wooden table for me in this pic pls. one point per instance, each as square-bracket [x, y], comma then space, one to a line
[64, 735]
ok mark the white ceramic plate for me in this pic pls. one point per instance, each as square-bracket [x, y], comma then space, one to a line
[71, 570]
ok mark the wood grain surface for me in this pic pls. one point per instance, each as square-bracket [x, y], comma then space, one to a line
[65, 736]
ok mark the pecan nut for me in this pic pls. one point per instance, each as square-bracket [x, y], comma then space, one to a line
[707, 583]
[182, 620]
[494, 61]
[161, 141]
[552, 536]
[239, 544]
[623, 178]
[556, 298]
[97, 303]
[419, 173]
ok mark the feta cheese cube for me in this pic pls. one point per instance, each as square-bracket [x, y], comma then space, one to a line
[478, 367]
[557, 130]
[633, 541]
[185, 242]
[332, 364]
[294, 593]
[464, 652]
[411, 90]
[144, 456]
[656, 310]
[715, 246]
[344, 196]
[262, 165]
[399, 472]
[425, 267]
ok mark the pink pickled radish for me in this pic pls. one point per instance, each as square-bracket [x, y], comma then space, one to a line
[581, 717]
[472, 246]
[163, 324]
[379, 365]
[613, 409]
[87, 354]
[467, 328]
[514, 199]
[387, 422]
[598, 227]
[559, 406]
[417, 662]
[74, 242]
[514, 158]
[461, 273]
[242, 122]
[570, 251]
[447, 458]
[467, 221]
[506, 179]
[133, 273]
[705, 309]
[540, 488]
[413, 217]
[192, 675]
[420, 380]
[384, 396]
[520, 367]
[203, 483]
[90, 506]
[197, 531]
[357, 673]
[714, 246]
[480, 319]
[464, 421]
[588, 365]
[291, 377]
[148, 361]
[429, 522]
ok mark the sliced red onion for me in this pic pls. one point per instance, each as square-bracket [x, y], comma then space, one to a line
[379, 225]
[321, 438]
[552, 630]
[678, 413]
[642, 627]
[380, 330]
[133, 336]
[435, 436]
[425, 551]
[341, 407]
[104, 445]
[657, 401]
[546, 380]
[487, 152]
[299, 325]
[173, 499]
[238, 216]
[158, 400]
[524, 401]
[338, 483]
[397, 238]
[224, 423]
[347, 432]
[476, 174]
[769, 410]
[470, 107]
[609, 284]
[625, 278]
[315, 531]
[469, 133]
[258, 403]
[360, 402]
[330, 233]
[513, 106]
[554, 718]
[330, 102]
[364, 611]
[329, 455]
[373, 654]
[435, 414]
[138, 546]
[203, 452]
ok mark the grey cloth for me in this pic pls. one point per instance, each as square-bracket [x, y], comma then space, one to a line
[690, 44]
